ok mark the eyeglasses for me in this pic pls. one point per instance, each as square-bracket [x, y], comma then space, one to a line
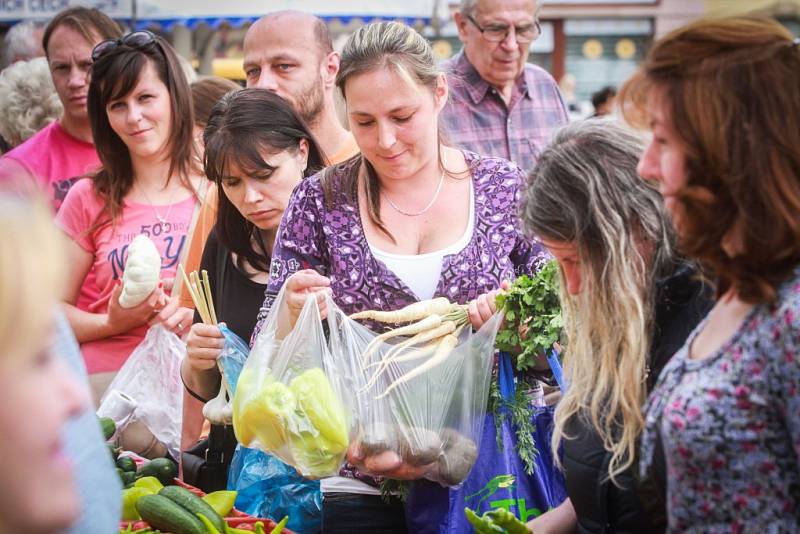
[138, 40]
[497, 33]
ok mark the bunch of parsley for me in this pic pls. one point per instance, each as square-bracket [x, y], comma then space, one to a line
[532, 303]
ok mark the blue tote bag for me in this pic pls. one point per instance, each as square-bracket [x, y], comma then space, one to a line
[498, 479]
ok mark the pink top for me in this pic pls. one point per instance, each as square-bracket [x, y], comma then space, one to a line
[55, 159]
[109, 247]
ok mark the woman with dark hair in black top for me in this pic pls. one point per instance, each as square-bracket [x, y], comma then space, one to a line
[257, 149]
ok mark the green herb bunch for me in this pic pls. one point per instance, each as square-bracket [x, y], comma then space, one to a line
[532, 324]
[531, 305]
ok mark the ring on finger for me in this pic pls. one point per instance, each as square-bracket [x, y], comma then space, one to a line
[180, 326]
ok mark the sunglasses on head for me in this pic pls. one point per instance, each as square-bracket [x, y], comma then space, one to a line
[138, 40]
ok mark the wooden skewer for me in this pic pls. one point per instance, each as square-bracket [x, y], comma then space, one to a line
[192, 291]
[200, 291]
[201, 297]
[209, 300]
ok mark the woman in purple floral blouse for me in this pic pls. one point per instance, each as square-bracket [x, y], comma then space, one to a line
[408, 219]
[722, 100]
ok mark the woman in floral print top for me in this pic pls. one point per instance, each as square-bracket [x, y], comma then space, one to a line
[726, 408]
[406, 220]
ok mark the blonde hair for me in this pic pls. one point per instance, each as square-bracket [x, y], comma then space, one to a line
[585, 191]
[29, 99]
[31, 272]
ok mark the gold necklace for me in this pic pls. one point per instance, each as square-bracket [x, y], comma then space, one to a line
[426, 208]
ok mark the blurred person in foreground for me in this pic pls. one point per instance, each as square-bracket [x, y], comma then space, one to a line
[289, 53]
[726, 408]
[38, 394]
[59, 154]
[500, 105]
[628, 302]
[28, 99]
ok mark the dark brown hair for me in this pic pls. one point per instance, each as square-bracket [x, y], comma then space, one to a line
[243, 125]
[206, 92]
[114, 75]
[729, 89]
[91, 23]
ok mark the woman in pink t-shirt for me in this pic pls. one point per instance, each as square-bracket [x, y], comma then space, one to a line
[141, 117]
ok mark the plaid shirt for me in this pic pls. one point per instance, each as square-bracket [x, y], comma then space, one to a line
[476, 118]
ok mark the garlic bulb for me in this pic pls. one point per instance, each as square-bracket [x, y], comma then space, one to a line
[219, 411]
[142, 270]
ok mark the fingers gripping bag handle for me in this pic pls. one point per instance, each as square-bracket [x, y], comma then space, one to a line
[285, 402]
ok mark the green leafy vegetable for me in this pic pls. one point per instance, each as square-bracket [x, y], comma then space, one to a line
[521, 413]
[531, 303]
[392, 488]
[532, 325]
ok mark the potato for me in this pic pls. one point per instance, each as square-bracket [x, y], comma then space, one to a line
[415, 446]
[458, 457]
[420, 446]
[377, 438]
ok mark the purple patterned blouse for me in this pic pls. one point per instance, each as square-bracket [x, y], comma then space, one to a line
[730, 426]
[332, 242]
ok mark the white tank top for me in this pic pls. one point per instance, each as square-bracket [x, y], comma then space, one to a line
[421, 272]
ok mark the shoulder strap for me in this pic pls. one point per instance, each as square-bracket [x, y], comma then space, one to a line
[201, 196]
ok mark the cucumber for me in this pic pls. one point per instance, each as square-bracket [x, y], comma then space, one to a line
[108, 426]
[165, 514]
[164, 469]
[127, 464]
[194, 504]
[114, 451]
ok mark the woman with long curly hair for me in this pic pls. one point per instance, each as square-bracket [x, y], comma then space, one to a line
[628, 303]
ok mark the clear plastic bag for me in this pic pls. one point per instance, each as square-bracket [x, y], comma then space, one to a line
[150, 385]
[289, 401]
[432, 421]
[233, 357]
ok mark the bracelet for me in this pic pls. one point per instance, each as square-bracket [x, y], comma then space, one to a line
[189, 390]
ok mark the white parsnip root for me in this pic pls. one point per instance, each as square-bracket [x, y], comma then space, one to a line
[432, 321]
[394, 354]
[412, 312]
[438, 323]
[444, 349]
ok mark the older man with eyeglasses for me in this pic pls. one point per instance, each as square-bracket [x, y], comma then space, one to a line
[500, 105]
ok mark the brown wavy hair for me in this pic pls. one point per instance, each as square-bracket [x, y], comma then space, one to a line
[114, 75]
[731, 91]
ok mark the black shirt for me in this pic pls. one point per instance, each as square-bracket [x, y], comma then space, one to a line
[636, 505]
[239, 298]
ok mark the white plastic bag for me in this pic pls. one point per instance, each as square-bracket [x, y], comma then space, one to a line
[150, 383]
[432, 421]
[289, 401]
